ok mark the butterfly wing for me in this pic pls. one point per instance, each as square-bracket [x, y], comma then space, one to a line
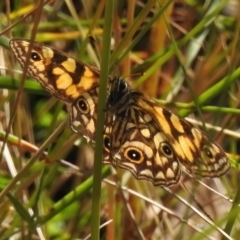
[83, 112]
[196, 152]
[68, 79]
[153, 143]
[64, 77]
[132, 142]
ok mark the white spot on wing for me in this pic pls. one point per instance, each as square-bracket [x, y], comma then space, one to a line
[147, 172]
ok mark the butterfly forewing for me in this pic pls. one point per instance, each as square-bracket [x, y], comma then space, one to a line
[63, 76]
[196, 152]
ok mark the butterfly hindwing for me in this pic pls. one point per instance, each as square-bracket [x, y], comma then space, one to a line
[143, 151]
[83, 112]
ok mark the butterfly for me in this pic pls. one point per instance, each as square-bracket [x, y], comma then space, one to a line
[140, 135]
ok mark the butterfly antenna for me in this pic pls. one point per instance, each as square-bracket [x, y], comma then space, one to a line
[96, 46]
[134, 75]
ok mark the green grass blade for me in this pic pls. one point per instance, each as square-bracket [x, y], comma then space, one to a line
[105, 57]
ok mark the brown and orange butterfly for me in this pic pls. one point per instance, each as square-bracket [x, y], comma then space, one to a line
[140, 134]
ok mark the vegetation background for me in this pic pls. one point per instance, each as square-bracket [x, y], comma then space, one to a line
[189, 54]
